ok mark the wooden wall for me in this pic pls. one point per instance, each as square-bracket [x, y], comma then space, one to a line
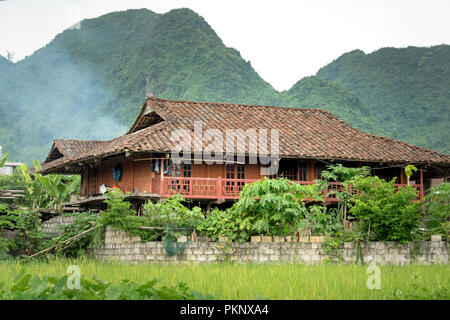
[137, 175]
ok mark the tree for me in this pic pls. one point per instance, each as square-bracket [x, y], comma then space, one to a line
[385, 213]
[275, 206]
[346, 177]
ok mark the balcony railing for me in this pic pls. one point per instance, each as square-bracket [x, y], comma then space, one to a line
[221, 188]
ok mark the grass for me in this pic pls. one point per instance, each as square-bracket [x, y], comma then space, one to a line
[252, 281]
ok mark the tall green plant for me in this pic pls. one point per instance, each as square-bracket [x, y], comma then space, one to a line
[35, 190]
[437, 206]
[171, 211]
[3, 158]
[385, 213]
[275, 206]
[49, 191]
[346, 177]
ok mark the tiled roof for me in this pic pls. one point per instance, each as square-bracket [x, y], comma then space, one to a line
[68, 148]
[303, 133]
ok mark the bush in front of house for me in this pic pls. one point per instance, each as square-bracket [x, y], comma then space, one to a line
[384, 213]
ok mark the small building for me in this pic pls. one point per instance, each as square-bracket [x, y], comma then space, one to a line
[208, 151]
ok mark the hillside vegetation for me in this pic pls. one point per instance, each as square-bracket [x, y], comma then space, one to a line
[90, 83]
[406, 90]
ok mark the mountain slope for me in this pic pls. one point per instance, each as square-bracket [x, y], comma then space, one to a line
[90, 83]
[406, 90]
[314, 92]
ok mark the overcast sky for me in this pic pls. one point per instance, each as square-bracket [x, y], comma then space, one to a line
[284, 40]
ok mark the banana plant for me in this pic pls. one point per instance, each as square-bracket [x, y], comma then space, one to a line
[35, 191]
[49, 191]
[59, 188]
[4, 158]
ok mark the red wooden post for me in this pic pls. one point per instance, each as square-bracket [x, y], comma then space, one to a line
[421, 183]
[161, 187]
[219, 188]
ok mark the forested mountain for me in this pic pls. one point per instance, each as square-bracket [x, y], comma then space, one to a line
[314, 92]
[89, 83]
[407, 90]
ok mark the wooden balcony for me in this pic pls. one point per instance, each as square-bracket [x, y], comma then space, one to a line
[229, 189]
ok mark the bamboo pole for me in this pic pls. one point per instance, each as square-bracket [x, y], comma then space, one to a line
[67, 240]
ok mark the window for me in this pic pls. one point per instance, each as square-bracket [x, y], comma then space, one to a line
[235, 171]
[289, 169]
[292, 169]
[302, 171]
[230, 175]
[186, 168]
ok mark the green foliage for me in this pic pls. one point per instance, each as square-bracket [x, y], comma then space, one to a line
[5, 245]
[346, 177]
[421, 292]
[321, 221]
[405, 90]
[83, 245]
[409, 169]
[172, 212]
[437, 205]
[50, 191]
[274, 206]
[3, 158]
[314, 92]
[33, 287]
[269, 206]
[58, 187]
[332, 247]
[15, 181]
[29, 238]
[385, 213]
[27, 223]
[226, 223]
[35, 190]
[120, 215]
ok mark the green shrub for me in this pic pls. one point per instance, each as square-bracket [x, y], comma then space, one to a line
[120, 215]
[437, 205]
[321, 220]
[385, 213]
[83, 245]
[274, 206]
[29, 226]
[172, 213]
[226, 223]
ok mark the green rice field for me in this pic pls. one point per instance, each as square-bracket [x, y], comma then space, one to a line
[259, 281]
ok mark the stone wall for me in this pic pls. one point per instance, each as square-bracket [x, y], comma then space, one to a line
[51, 227]
[121, 246]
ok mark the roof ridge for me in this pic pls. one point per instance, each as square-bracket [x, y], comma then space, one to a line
[243, 105]
[79, 140]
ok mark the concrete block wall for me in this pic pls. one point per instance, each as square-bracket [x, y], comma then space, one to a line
[51, 227]
[120, 246]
